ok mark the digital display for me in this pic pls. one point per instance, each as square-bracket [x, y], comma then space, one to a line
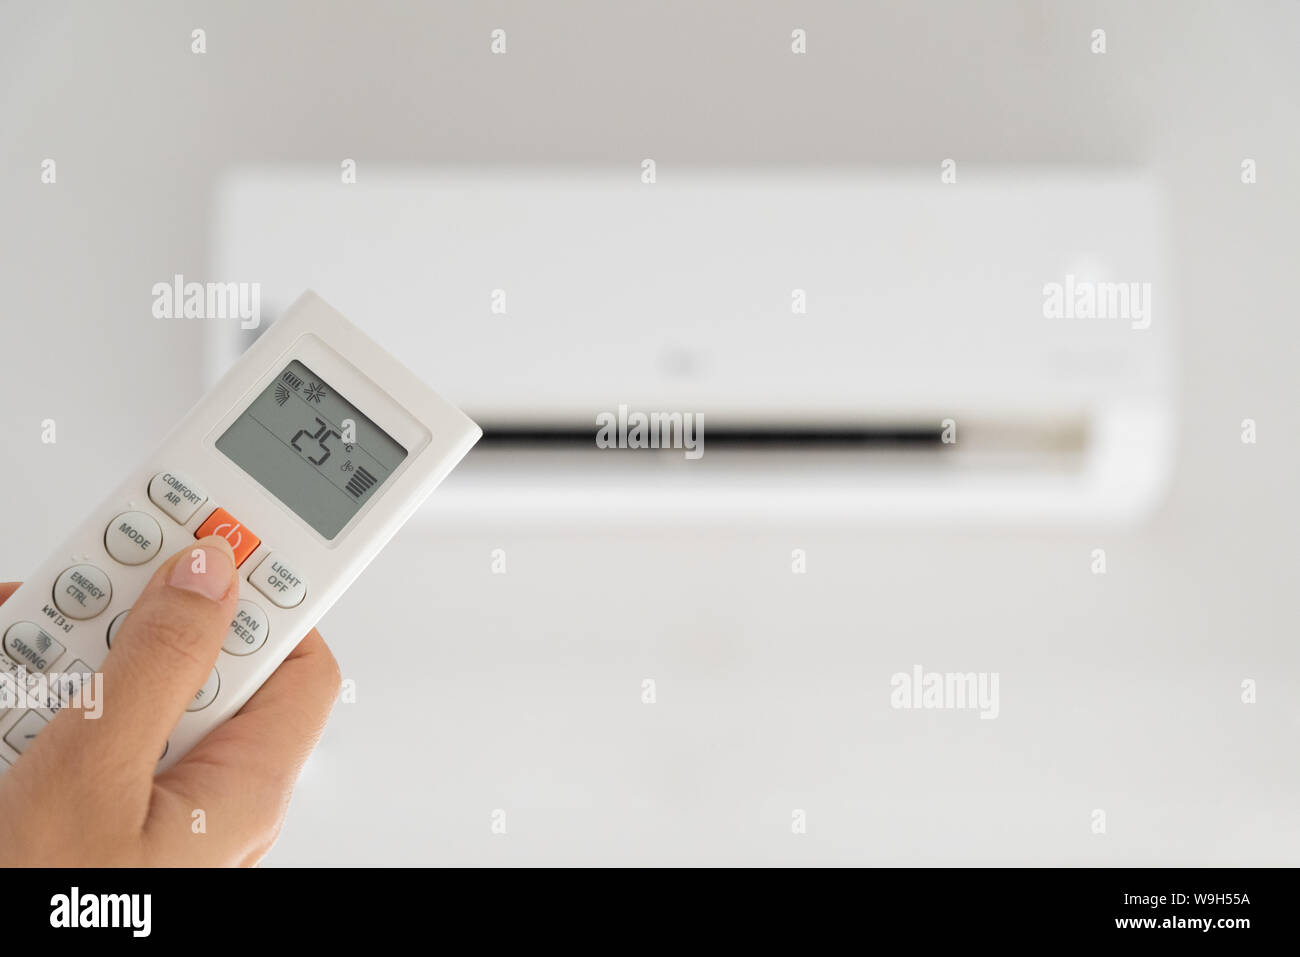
[312, 449]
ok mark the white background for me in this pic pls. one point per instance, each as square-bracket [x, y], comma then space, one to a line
[521, 691]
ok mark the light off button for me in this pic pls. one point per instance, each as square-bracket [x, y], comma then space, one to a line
[279, 579]
[133, 538]
[31, 646]
[82, 592]
[176, 495]
[249, 630]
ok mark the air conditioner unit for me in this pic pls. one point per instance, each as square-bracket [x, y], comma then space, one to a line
[832, 326]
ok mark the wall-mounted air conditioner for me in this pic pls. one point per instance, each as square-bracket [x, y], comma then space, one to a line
[825, 322]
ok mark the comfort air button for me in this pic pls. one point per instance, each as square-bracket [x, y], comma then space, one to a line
[82, 592]
[176, 495]
[222, 523]
[280, 580]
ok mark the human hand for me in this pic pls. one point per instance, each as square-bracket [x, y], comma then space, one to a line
[84, 793]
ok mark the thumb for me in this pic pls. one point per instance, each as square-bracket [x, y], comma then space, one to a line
[164, 652]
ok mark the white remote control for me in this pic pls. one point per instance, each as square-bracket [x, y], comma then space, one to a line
[307, 457]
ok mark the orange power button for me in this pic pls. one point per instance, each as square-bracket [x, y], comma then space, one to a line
[242, 541]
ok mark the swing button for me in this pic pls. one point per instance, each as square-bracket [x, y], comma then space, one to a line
[242, 541]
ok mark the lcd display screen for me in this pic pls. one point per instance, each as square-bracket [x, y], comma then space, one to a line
[312, 449]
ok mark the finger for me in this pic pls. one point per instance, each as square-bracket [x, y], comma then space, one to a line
[7, 589]
[243, 773]
[163, 653]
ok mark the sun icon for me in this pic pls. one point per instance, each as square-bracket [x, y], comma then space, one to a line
[315, 392]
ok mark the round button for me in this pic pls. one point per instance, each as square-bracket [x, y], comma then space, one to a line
[133, 538]
[248, 632]
[115, 624]
[82, 592]
[207, 694]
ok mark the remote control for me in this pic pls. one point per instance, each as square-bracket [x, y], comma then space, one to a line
[306, 457]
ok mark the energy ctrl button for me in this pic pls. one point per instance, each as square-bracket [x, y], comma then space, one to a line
[82, 592]
[242, 541]
[280, 580]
